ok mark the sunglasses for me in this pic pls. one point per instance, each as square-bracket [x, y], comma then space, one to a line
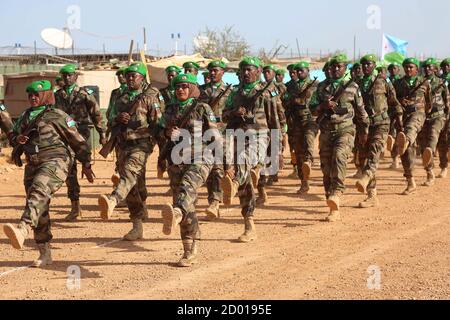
[182, 86]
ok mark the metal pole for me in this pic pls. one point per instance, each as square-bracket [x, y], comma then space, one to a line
[298, 48]
[145, 40]
[354, 48]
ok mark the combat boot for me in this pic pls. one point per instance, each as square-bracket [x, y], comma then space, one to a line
[250, 231]
[361, 184]
[254, 174]
[293, 174]
[430, 179]
[137, 233]
[390, 143]
[358, 174]
[306, 170]
[333, 216]
[190, 253]
[371, 201]
[230, 188]
[171, 218]
[106, 206]
[333, 202]
[75, 211]
[262, 197]
[402, 143]
[17, 234]
[45, 257]
[304, 188]
[395, 163]
[115, 179]
[212, 212]
[443, 173]
[411, 187]
[427, 157]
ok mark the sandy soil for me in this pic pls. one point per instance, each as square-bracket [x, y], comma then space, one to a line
[297, 254]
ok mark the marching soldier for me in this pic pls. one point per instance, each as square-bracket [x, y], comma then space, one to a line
[436, 119]
[253, 108]
[191, 67]
[391, 146]
[279, 78]
[168, 92]
[138, 114]
[186, 177]
[337, 102]
[81, 105]
[414, 94]
[303, 126]
[215, 94]
[444, 138]
[378, 95]
[46, 135]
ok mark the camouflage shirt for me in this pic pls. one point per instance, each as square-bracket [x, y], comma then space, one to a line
[168, 94]
[439, 94]
[201, 115]
[281, 88]
[420, 100]
[55, 133]
[296, 101]
[210, 92]
[379, 96]
[146, 116]
[350, 105]
[82, 106]
[111, 112]
[260, 114]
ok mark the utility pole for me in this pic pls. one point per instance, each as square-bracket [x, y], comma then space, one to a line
[145, 40]
[354, 48]
[298, 48]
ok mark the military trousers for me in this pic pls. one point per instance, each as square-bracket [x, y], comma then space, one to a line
[303, 141]
[412, 123]
[131, 187]
[41, 182]
[429, 136]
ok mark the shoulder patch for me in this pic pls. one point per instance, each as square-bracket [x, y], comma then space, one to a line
[161, 98]
[156, 105]
[2, 107]
[274, 93]
[70, 122]
[89, 91]
[212, 117]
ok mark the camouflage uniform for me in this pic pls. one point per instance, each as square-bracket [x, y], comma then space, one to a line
[337, 131]
[135, 145]
[414, 115]
[47, 170]
[187, 178]
[302, 125]
[435, 121]
[444, 140]
[261, 116]
[392, 115]
[208, 95]
[378, 96]
[82, 106]
[168, 94]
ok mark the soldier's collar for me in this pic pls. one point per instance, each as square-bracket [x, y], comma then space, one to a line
[216, 85]
[70, 89]
[185, 102]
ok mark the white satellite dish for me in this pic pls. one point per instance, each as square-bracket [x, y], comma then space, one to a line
[59, 39]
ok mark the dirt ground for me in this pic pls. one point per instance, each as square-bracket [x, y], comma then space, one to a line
[297, 254]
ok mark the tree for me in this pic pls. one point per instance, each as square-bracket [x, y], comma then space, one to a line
[225, 43]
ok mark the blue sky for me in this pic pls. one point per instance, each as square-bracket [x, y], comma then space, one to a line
[319, 25]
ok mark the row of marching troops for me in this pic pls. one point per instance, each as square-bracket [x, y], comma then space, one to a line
[357, 114]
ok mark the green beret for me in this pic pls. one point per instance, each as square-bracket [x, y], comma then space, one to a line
[68, 68]
[269, 67]
[356, 65]
[206, 73]
[430, 61]
[290, 67]
[340, 58]
[301, 65]
[184, 78]
[38, 86]
[216, 64]
[137, 67]
[326, 66]
[280, 71]
[191, 64]
[411, 60]
[58, 78]
[369, 58]
[121, 71]
[444, 62]
[250, 61]
[176, 69]
[393, 64]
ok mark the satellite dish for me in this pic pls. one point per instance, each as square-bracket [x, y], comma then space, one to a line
[59, 39]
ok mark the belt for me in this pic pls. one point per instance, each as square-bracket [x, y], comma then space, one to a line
[435, 114]
[379, 118]
[338, 126]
